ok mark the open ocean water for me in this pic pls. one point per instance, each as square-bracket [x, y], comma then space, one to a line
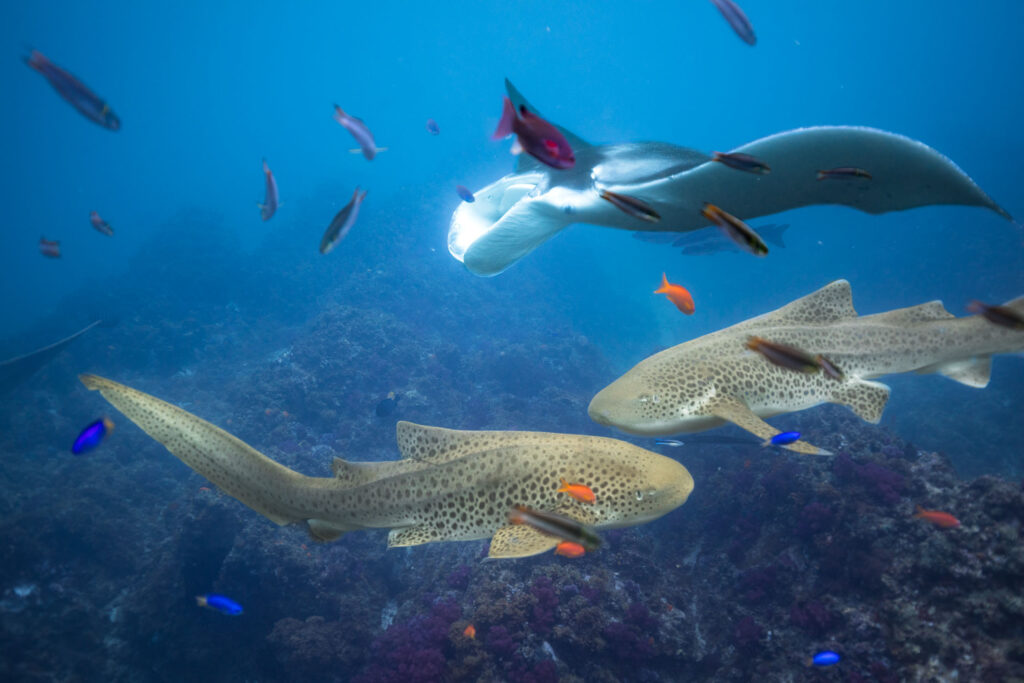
[774, 558]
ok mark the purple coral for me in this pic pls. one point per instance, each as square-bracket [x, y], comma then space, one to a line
[815, 518]
[880, 481]
[546, 601]
[811, 616]
[748, 633]
[500, 642]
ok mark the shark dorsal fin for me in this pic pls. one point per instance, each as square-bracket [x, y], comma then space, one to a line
[926, 312]
[830, 304]
[525, 162]
[436, 445]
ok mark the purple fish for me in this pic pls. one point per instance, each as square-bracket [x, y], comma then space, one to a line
[342, 223]
[74, 92]
[737, 19]
[269, 205]
[432, 127]
[844, 173]
[537, 137]
[358, 130]
[464, 192]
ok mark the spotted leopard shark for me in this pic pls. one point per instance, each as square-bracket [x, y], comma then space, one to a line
[715, 379]
[450, 485]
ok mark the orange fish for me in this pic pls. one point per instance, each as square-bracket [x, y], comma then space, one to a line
[570, 549]
[470, 631]
[578, 491]
[677, 294]
[939, 519]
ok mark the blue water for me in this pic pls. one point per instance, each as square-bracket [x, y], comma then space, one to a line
[205, 91]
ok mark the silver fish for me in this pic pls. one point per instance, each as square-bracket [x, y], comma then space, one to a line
[737, 19]
[358, 130]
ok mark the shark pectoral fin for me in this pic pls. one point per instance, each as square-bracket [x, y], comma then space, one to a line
[414, 535]
[974, 372]
[866, 399]
[519, 540]
[735, 411]
[325, 532]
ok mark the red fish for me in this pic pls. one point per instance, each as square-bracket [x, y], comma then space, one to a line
[580, 492]
[537, 137]
[100, 224]
[49, 248]
[470, 632]
[939, 519]
[677, 294]
[570, 549]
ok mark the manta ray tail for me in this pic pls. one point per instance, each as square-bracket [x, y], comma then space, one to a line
[242, 472]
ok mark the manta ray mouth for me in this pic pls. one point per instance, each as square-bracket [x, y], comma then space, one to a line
[471, 222]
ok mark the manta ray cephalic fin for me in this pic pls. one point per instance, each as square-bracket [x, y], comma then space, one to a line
[735, 411]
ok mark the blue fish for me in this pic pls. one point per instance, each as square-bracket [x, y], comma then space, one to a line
[221, 603]
[825, 658]
[432, 127]
[464, 192]
[668, 442]
[782, 439]
[92, 435]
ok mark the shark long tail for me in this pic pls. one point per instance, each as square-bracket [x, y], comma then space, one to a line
[239, 470]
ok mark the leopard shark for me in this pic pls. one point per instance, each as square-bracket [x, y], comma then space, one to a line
[450, 485]
[714, 379]
[514, 215]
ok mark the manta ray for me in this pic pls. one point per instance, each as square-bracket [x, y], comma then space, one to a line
[451, 485]
[714, 379]
[14, 371]
[516, 214]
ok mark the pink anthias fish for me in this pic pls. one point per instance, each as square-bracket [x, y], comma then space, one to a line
[77, 94]
[737, 19]
[342, 222]
[359, 131]
[100, 224]
[269, 205]
[537, 137]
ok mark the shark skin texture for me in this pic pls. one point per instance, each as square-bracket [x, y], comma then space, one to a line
[514, 215]
[714, 379]
[450, 485]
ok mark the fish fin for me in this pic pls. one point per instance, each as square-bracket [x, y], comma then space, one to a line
[830, 304]
[417, 534]
[325, 532]
[664, 285]
[974, 372]
[233, 466]
[519, 540]
[355, 473]
[436, 445]
[517, 99]
[918, 511]
[508, 117]
[929, 311]
[737, 412]
[866, 399]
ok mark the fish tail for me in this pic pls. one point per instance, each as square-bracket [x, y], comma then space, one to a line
[508, 117]
[1016, 304]
[201, 600]
[664, 285]
[266, 168]
[822, 175]
[564, 485]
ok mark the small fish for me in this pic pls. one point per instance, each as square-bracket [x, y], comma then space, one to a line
[470, 632]
[782, 439]
[359, 150]
[741, 162]
[675, 443]
[677, 294]
[269, 205]
[465, 194]
[844, 173]
[570, 549]
[537, 137]
[49, 248]
[829, 368]
[92, 436]
[784, 356]
[342, 222]
[100, 224]
[939, 519]
[631, 206]
[737, 19]
[221, 603]
[824, 658]
[736, 230]
[432, 127]
[359, 131]
[1003, 316]
[580, 492]
[554, 524]
[388, 405]
[74, 92]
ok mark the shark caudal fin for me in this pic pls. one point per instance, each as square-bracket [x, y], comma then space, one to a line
[236, 468]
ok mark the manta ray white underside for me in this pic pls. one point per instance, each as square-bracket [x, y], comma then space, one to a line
[517, 213]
